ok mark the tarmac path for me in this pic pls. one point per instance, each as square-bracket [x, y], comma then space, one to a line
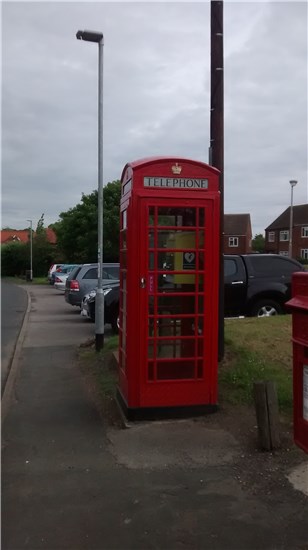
[71, 483]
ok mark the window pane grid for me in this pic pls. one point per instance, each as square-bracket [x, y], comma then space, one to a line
[176, 335]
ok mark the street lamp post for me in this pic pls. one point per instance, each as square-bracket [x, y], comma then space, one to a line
[292, 183]
[31, 270]
[98, 38]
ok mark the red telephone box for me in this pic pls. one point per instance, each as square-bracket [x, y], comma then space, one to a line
[169, 263]
[299, 306]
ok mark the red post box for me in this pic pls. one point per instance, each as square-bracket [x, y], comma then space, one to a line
[169, 262]
[299, 306]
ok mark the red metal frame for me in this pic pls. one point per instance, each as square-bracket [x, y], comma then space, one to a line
[299, 306]
[187, 374]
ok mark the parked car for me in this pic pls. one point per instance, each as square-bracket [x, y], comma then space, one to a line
[83, 278]
[51, 270]
[255, 285]
[60, 281]
[62, 269]
[111, 306]
[258, 285]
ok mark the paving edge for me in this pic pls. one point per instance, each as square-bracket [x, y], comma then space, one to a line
[13, 368]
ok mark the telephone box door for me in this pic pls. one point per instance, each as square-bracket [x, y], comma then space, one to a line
[178, 301]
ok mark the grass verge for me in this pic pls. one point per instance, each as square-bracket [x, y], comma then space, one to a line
[257, 349]
[100, 373]
[21, 281]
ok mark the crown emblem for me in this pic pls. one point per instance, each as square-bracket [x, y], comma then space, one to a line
[176, 169]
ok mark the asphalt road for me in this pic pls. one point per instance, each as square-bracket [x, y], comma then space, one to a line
[13, 308]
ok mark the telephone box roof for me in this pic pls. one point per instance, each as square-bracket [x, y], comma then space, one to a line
[155, 160]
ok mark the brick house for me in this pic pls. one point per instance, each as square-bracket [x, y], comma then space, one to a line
[277, 233]
[237, 234]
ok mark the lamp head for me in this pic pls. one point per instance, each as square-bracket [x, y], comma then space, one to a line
[90, 36]
[293, 183]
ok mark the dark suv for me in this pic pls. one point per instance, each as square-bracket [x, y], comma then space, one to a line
[83, 278]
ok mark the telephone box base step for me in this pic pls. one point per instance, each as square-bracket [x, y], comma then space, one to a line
[161, 413]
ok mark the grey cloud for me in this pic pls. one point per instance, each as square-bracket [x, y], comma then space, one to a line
[156, 100]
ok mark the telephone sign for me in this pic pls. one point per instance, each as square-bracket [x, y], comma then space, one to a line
[176, 183]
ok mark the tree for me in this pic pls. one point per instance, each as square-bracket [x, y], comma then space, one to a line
[40, 225]
[258, 243]
[76, 229]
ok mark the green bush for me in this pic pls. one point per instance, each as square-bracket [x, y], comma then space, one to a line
[15, 257]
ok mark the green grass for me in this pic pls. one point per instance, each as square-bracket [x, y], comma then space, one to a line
[257, 349]
[101, 366]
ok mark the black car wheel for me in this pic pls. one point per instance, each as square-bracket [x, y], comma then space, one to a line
[266, 308]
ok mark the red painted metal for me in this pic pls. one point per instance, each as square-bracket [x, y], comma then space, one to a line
[169, 264]
[299, 306]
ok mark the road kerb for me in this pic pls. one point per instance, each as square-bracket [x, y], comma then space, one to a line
[13, 369]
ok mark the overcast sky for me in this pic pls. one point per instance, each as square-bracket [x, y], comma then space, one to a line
[156, 100]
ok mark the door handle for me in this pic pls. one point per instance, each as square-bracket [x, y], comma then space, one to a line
[237, 283]
[142, 282]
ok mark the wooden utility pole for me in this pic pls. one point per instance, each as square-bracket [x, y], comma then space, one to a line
[216, 152]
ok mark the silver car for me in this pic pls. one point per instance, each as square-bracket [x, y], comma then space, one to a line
[83, 278]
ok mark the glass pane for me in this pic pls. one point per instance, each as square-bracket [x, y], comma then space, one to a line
[177, 216]
[151, 260]
[176, 239]
[176, 326]
[201, 238]
[91, 273]
[165, 261]
[201, 287]
[151, 239]
[175, 370]
[175, 348]
[151, 348]
[151, 215]
[151, 305]
[200, 368]
[176, 283]
[200, 347]
[151, 326]
[201, 217]
[176, 304]
[178, 261]
[199, 326]
[201, 304]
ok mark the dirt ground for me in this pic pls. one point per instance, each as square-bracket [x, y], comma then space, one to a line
[259, 472]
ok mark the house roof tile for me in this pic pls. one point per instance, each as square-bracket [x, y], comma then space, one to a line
[300, 217]
[237, 224]
[22, 235]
